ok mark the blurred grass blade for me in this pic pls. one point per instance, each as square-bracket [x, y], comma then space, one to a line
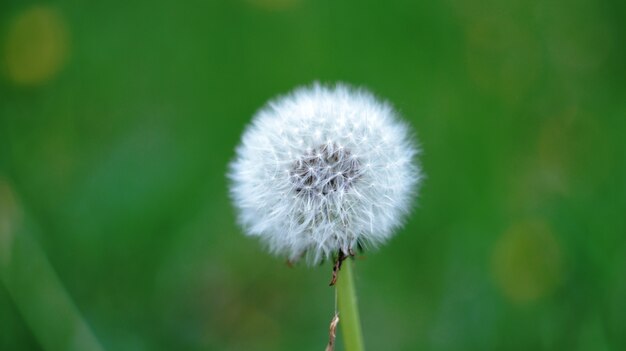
[34, 286]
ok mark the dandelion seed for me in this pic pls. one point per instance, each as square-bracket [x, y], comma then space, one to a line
[346, 180]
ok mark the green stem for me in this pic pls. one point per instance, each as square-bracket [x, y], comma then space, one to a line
[348, 309]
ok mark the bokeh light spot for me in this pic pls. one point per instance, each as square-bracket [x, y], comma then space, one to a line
[578, 36]
[527, 262]
[555, 149]
[502, 56]
[36, 46]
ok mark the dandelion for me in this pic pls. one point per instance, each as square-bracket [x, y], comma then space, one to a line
[321, 173]
[323, 170]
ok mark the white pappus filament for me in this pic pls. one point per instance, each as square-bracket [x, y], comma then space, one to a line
[324, 169]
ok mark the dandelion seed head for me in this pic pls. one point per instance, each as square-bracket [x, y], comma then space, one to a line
[324, 169]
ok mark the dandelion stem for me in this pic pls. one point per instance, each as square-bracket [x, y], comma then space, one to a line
[348, 310]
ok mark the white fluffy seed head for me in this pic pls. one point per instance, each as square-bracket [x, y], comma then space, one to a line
[324, 169]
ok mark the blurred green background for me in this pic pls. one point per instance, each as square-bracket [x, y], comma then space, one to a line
[118, 120]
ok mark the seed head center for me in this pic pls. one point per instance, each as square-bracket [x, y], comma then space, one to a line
[324, 170]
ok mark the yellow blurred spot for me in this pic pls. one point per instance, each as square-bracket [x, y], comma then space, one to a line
[554, 151]
[9, 218]
[578, 36]
[526, 261]
[36, 46]
[274, 5]
[258, 326]
[572, 143]
[502, 56]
